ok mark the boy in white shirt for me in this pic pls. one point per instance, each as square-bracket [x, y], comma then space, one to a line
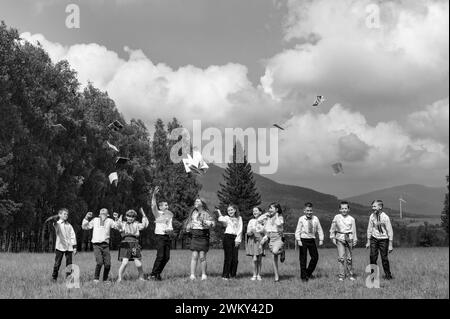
[305, 234]
[163, 230]
[101, 226]
[66, 241]
[343, 235]
[380, 237]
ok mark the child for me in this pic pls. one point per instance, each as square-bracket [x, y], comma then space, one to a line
[231, 240]
[343, 235]
[273, 228]
[305, 234]
[163, 230]
[129, 247]
[198, 224]
[66, 241]
[380, 237]
[101, 226]
[255, 232]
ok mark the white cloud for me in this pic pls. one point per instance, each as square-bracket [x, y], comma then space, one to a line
[402, 64]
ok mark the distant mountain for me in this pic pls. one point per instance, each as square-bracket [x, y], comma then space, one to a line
[421, 200]
[291, 196]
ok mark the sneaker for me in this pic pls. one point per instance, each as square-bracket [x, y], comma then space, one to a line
[258, 278]
[341, 279]
[204, 277]
[225, 278]
[192, 277]
[253, 278]
[352, 278]
[142, 279]
[96, 281]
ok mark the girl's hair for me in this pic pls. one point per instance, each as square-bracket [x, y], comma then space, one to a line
[237, 214]
[131, 213]
[204, 208]
[277, 206]
[62, 210]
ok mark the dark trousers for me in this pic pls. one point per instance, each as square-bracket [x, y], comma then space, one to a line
[308, 245]
[102, 258]
[382, 246]
[58, 259]
[231, 253]
[163, 243]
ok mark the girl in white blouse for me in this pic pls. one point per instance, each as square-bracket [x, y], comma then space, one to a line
[231, 240]
[254, 248]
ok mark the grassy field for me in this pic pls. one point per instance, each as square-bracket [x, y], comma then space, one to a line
[418, 272]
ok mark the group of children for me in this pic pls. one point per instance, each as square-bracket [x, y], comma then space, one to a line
[264, 233]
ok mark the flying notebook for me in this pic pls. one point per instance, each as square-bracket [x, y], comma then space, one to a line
[115, 126]
[195, 164]
[319, 100]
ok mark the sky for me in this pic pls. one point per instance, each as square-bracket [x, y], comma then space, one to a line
[252, 63]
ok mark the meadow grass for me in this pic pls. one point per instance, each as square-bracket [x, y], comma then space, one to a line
[418, 272]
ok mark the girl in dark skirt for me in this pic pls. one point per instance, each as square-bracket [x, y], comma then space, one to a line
[130, 250]
[198, 224]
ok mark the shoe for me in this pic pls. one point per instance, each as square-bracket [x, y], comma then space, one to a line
[142, 279]
[388, 277]
[352, 278]
[158, 278]
[192, 277]
[253, 278]
[341, 279]
[277, 280]
[258, 278]
[204, 277]
[225, 278]
[283, 256]
[311, 277]
[96, 281]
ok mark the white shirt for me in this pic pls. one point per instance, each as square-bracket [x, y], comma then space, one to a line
[273, 224]
[163, 222]
[66, 239]
[101, 233]
[234, 226]
[255, 227]
[132, 229]
[380, 227]
[305, 231]
[342, 225]
[201, 220]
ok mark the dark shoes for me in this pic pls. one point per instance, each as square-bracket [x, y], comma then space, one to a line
[156, 277]
[283, 256]
[388, 277]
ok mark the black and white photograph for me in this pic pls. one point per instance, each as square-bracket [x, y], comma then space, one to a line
[224, 155]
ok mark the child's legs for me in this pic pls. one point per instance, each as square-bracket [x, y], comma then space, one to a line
[106, 262]
[194, 260]
[227, 252]
[341, 258]
[122, 268]
[68, 255]
[203, 262]
[98, 261]
[349, 259]
[259, 265]
[138, 264]
[159, 255]
[303, 255]
[275, 267]
[255, 265]
[57, 265]
[234, 260]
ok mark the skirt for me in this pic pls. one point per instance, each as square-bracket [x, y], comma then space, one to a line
[276, 243]
[130, 250]
[199, 240]
[253, 246]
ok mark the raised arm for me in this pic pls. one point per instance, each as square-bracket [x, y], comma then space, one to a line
[144, 223]
[87, 223]
[154, 203]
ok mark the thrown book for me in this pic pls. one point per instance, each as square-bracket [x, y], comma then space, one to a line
[195, 164]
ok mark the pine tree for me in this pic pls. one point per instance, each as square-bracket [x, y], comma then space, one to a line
[444, 215]
[239, 186]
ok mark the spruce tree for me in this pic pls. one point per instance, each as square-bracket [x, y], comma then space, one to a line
[239, 186]
[444, 215]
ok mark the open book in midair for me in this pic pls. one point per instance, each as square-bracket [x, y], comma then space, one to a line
[337, 168]
[112, 146]
[195, 164]
[113, 178]
[319, 100]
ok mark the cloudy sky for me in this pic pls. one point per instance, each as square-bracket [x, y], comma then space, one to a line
[252, 63]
